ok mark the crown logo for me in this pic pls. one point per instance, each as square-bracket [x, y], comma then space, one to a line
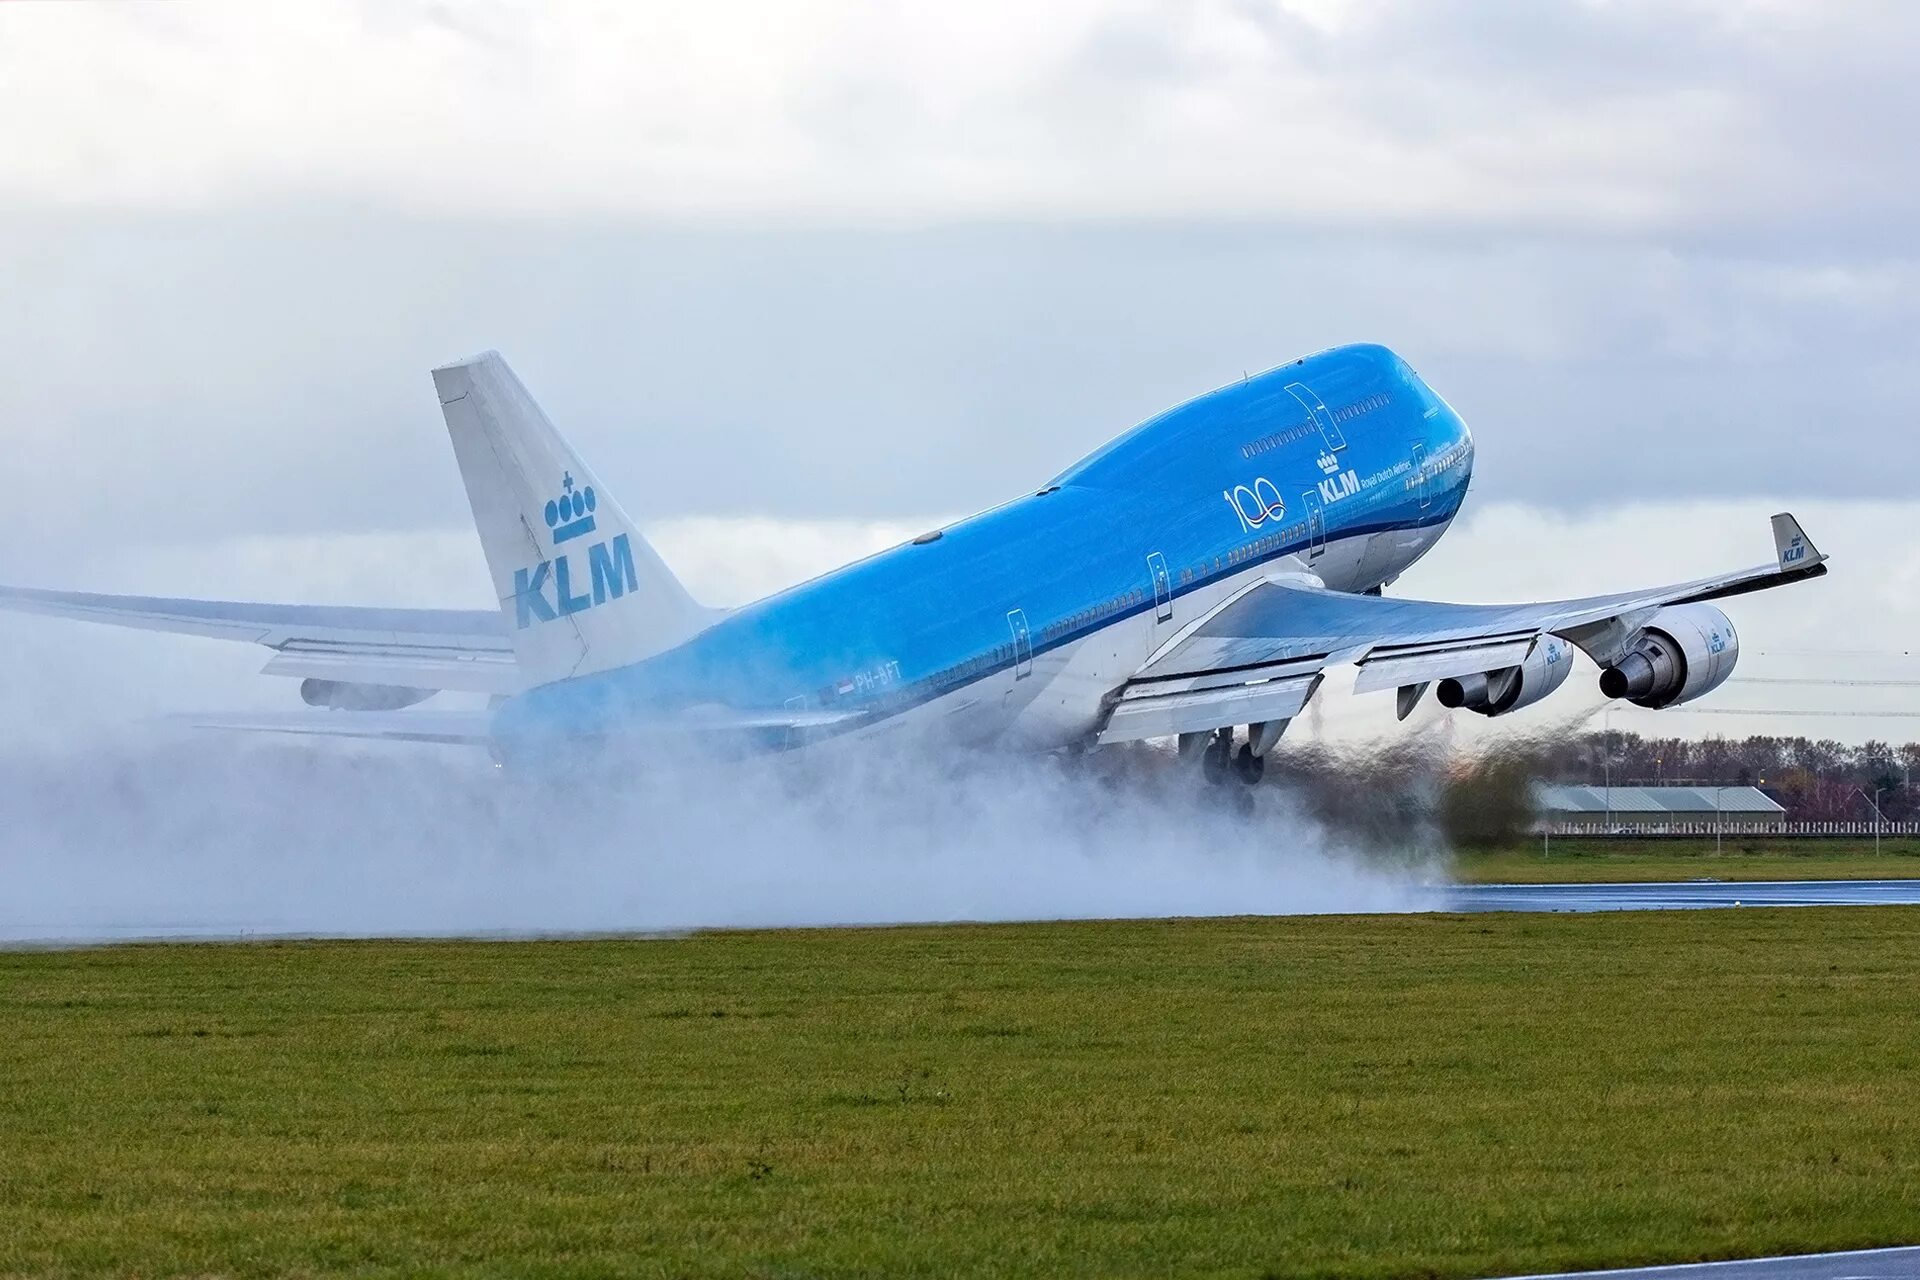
[1328, 463]
[571, 514]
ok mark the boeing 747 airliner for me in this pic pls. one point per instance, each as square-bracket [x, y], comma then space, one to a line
[1192, 580]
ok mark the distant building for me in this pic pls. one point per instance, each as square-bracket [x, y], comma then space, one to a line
[1656, 809]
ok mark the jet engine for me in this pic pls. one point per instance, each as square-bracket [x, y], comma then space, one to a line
[343, 695]
[1494, 693]
[1683, 652]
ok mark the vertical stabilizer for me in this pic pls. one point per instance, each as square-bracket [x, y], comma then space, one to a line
[581, 589]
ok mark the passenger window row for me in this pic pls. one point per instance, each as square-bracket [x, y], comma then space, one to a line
[1268, 545]
[1105, 609]
[1255, 447]
[1359, 407]
[961, 672]
[1259, 548]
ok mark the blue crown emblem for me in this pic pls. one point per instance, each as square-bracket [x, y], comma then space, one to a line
[571, 514]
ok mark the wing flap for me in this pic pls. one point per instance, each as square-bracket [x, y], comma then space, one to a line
[1393, 671]
[419, 668]
[447, 728]
[1154, 713]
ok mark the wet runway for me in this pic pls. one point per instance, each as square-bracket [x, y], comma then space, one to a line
[1860, 1264]
[1683, 896]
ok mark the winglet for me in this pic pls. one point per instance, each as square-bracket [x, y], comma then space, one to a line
[1795, 549]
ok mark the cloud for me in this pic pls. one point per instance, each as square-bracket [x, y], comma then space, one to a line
[202, 376]
[1619, 117]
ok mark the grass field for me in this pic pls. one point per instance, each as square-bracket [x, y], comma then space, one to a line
[1574, 859]
[1363, 1096]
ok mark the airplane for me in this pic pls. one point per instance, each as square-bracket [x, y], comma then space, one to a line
[1192, 580]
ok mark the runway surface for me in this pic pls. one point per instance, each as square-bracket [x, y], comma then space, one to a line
[1685, 896]
[1860, 1264]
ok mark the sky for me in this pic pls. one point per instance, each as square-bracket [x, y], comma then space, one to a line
[801, 277]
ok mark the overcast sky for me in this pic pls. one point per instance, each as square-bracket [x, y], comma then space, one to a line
[835, 263]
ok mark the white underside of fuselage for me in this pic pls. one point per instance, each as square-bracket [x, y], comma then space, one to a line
[1063, 698]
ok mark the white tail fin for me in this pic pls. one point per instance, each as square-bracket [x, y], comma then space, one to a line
[581, 589]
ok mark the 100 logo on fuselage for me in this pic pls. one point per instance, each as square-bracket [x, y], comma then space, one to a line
[1255, 504]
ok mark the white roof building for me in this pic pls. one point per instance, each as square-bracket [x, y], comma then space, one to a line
[1560, 803]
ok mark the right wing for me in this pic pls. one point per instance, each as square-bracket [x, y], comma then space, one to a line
[424, 649]
[1258, 657]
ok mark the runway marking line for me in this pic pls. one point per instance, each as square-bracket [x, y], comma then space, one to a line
[1665, 1268]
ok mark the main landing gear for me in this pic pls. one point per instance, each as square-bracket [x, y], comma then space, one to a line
[1222, 761]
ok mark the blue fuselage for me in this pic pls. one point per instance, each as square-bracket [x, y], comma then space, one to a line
[1344, 464]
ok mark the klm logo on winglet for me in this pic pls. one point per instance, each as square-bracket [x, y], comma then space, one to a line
[545, 592]
[1796, 551]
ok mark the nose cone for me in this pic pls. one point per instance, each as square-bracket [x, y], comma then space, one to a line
[1448, 439]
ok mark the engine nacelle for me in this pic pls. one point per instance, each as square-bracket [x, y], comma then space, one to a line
[1494, 693]
[343, 695]
[1685, 651]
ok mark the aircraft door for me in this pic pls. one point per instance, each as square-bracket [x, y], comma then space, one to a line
[1317, 410]
[1316, 524]
[1420, 475]
[1162, 587]
[1022, 644]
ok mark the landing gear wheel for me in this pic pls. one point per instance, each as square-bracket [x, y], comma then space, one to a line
[1249, 766]
[1217, 763]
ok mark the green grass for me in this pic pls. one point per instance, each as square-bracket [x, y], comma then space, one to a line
[1576, 859]
[1365, 1096]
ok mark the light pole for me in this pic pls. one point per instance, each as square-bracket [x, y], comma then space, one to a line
[1875, 802]
[1607, 720]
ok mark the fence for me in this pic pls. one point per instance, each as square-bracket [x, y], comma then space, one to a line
[1710, 827]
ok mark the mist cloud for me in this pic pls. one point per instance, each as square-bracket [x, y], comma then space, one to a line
[215, 838]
